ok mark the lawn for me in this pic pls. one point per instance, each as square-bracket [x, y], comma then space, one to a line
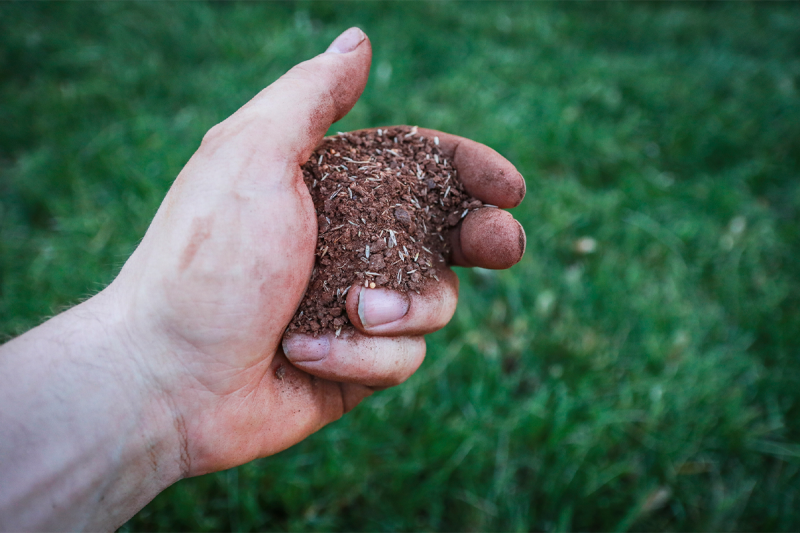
[651, 384]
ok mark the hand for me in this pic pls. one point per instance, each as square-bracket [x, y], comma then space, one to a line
[177, 368]
[222, 268]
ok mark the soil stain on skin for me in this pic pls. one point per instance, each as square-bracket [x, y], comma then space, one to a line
[485, 239]
[201, 231]
[386, 201]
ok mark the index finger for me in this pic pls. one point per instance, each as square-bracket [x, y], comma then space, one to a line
[486, 175]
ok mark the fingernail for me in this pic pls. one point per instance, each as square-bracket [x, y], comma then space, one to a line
[347, 41]
[377, 307]
[306, 349]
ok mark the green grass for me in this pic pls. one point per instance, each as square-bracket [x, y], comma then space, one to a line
[651, 385]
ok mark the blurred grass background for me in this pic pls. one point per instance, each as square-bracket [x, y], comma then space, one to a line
[653, 384]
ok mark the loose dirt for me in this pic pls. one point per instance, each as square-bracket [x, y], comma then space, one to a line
[385, 202]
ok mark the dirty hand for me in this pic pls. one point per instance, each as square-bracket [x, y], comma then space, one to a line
[226, 260]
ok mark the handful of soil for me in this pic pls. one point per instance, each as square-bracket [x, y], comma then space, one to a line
[385, 202]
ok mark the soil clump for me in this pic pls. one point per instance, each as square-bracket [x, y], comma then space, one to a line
[385, 200]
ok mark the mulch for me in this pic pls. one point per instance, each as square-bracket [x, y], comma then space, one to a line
[385, 201]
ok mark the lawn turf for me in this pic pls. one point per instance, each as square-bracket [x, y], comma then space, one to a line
[653, 384]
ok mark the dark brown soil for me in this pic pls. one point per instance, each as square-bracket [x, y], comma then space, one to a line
[385, 202]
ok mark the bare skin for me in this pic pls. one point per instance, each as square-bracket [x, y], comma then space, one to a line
[178, 368]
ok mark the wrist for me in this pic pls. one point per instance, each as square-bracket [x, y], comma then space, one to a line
[103, 439]
[151, 444]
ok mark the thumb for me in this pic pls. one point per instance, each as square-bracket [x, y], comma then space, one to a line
[292, 115]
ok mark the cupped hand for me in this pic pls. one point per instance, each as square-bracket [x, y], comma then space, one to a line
[388, 345]
[221, 270]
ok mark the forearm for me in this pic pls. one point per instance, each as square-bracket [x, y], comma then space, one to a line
[84, 442]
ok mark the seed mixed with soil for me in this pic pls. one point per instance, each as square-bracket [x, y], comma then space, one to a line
[385, 202]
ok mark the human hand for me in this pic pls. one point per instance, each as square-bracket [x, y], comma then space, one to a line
[208, 293]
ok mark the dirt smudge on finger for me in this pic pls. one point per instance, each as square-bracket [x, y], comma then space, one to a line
[492, 238]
